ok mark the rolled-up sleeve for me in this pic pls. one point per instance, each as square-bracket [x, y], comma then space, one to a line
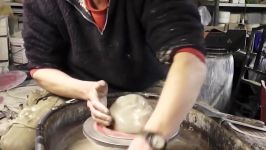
[45, 47]
[172, 25]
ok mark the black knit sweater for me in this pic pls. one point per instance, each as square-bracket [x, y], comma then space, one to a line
[61, 34]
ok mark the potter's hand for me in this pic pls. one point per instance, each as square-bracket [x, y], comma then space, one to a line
[139, 143]
[97, 103]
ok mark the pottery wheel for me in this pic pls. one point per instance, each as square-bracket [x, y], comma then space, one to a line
[105, 136]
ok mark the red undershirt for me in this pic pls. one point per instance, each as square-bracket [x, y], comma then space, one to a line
[99, 17]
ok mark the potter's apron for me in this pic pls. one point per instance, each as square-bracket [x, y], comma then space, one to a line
[21, 134]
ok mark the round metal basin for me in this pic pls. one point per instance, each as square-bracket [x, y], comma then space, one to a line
[62, 127]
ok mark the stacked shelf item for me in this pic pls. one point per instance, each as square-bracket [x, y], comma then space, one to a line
[237, 12]
[242, 5]
[246, 97]
[250, 15]
[17, 50]
[4, 61]
[16, 7]
[213, 7]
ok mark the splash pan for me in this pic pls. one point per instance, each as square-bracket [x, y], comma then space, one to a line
[61, 129]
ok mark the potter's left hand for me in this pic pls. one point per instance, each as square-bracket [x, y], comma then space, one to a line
[97, 103]
[139, 143]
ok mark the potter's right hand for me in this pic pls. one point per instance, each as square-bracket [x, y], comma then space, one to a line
[97, 103]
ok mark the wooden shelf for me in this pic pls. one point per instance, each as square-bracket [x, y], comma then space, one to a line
[242, 5]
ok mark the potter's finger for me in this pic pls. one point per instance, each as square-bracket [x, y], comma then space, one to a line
[103, 122]
[99, 106]
[95, 115]
[95, 100]
[99, 114]
[89, 104]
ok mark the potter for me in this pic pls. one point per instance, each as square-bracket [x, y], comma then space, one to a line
[82, 49]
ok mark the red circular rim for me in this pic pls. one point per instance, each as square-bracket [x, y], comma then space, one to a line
[114, 134]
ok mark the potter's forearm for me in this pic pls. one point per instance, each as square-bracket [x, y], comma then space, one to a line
[179, 94]
[59, 83]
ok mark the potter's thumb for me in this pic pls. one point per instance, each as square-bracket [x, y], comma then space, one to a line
[94, 95]
[101, 83]
[96, 103]
[99, 106]
[102, 88]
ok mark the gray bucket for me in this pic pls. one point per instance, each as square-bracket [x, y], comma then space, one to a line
[216, 90]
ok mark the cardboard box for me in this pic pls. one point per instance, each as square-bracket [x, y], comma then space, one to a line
[3, 26]
[3, 48]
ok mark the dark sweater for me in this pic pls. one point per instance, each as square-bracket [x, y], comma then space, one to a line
[61, 34]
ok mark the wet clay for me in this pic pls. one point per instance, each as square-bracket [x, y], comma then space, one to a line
[188, 139]
[130, 113]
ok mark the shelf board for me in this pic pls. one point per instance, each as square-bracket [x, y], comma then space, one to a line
[242, 5]
[17, 11]
[208, 3]
[255, 70]
[16, 7]
[12, 4]
[251, 82]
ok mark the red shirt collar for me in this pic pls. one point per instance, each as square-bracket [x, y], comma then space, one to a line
[90, 7]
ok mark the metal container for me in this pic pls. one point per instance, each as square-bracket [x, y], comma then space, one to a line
[216, 90]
